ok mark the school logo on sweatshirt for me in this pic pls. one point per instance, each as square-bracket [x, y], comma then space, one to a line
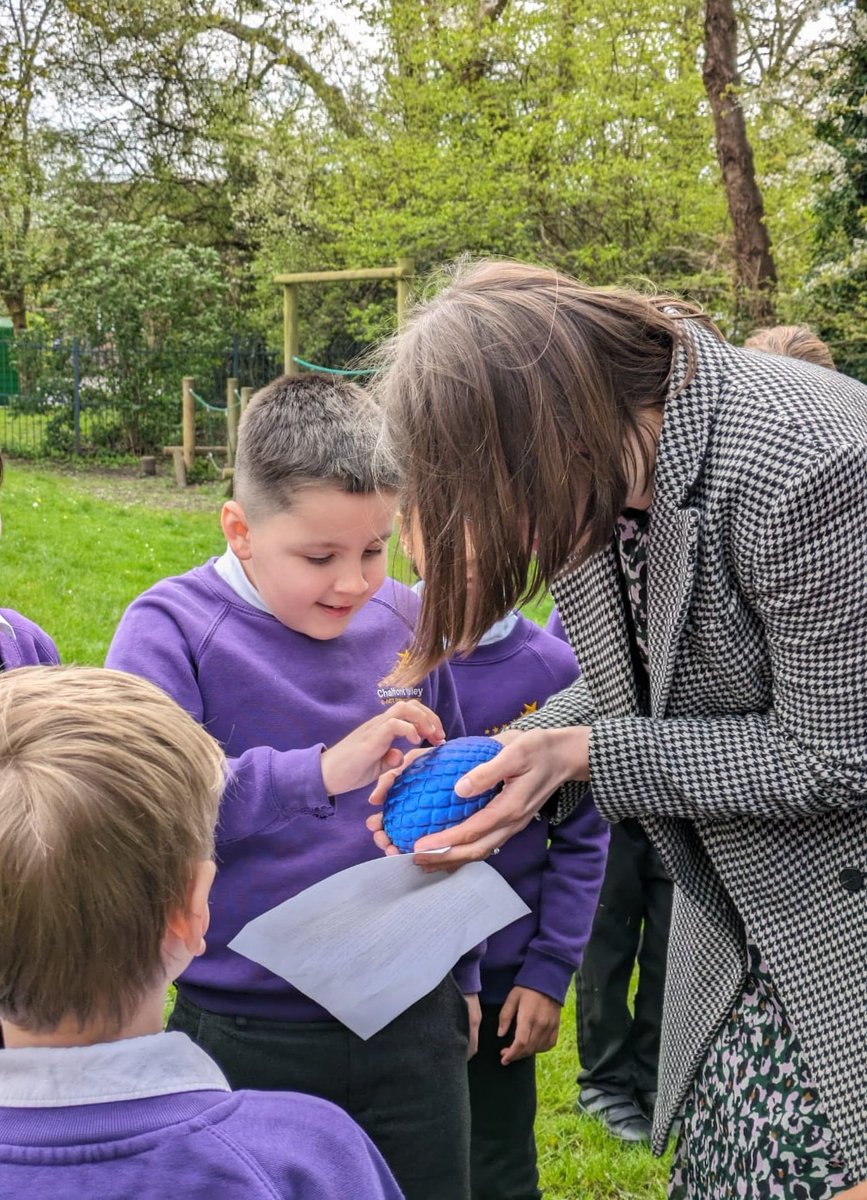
[531, 706]
[391, 694]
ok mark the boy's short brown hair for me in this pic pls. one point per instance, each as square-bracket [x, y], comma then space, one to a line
[304, 430]
[791, 341]
[108, 797]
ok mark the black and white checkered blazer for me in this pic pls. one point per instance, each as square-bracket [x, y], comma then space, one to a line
[750, 774]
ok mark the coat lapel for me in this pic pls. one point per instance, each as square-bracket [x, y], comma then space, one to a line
[671, 557]
[589, 604]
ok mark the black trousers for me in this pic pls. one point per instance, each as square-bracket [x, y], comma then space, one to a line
[503, 1102]
[619, 1050]
[406, 1086]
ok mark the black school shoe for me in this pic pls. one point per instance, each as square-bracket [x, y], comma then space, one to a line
[617, 1111]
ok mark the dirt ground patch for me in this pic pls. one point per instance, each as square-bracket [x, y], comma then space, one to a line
[126, 485]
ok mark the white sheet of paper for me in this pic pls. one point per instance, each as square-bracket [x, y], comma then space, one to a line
[368, 942]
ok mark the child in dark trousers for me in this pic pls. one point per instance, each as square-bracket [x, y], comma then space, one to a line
[557, 870]
[104, 880]
[279, 648]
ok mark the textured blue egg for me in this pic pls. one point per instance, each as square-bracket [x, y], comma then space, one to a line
[422, 799]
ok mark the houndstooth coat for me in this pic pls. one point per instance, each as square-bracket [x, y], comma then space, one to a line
[750, 774]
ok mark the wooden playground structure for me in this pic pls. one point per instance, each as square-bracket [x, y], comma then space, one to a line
[184, 456]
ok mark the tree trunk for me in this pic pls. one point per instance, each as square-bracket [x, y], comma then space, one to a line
[16, 306]
[756, 274]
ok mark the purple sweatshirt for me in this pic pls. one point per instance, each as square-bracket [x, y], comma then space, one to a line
[554, 626]
[559, 880]
[274, 699]
[23, 644]
[152, 1117]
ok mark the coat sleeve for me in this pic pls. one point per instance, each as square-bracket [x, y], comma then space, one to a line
[572, 706]
[807, 753]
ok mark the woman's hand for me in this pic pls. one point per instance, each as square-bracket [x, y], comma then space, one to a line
[531, 766]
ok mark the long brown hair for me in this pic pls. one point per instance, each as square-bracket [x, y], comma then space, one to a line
[515, 403]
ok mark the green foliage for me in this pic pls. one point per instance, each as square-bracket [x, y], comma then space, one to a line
[834, 298]
[150, 309]
[563, 132]
[136, 284]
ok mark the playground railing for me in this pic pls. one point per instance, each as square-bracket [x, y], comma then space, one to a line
[64, 396]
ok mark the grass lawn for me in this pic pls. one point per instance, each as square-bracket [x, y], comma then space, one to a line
[76, 548]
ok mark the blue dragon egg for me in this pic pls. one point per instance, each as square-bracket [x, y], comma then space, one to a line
[422, 799]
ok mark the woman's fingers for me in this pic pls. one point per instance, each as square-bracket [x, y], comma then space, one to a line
[474, 839]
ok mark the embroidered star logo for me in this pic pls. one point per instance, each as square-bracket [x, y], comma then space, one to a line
[402, 657]
[528, 708]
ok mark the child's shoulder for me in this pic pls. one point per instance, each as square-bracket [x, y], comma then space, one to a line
[394, 601]
[305, 1139]
[195, 595]
[32, 645]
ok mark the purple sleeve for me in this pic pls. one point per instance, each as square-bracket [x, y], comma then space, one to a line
[571, 883]
[467, 971]
[31, 646]
[264, 787]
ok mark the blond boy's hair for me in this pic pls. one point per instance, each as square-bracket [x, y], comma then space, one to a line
[791, 341]
[308, 430]
[108, 798]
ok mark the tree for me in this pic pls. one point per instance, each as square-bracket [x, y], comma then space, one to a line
[149, 310]
[755, 271]
[565, 132]
[835, 296]
[29, 38]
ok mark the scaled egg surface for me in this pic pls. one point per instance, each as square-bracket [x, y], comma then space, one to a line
[422, 798]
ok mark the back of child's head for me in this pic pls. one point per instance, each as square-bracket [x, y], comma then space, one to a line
[108, 798]
[791, 341]
[307, 430]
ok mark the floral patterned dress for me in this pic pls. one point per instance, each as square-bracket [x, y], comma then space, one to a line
[753, 1124]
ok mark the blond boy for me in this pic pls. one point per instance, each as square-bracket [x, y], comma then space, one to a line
[108, 798]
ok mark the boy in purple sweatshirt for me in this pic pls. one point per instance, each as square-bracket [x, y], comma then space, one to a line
[104, 881]
[557, 871]
[279, 648]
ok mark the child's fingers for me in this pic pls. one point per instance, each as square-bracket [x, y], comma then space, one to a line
[424, 719]
[379, 793]
[507, 1014]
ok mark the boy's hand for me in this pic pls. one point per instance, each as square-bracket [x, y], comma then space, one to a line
[536, 1018]
[369, 750]
[378, 795]
[474, 1012]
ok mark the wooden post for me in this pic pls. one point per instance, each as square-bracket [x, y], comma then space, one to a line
[232, 403]
[290, 328]
[246, 393]
[189, 421]
[405, 267]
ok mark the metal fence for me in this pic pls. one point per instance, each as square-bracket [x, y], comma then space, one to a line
[61, 396]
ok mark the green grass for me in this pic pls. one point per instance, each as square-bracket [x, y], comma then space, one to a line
[72, 558]
[76, 549]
